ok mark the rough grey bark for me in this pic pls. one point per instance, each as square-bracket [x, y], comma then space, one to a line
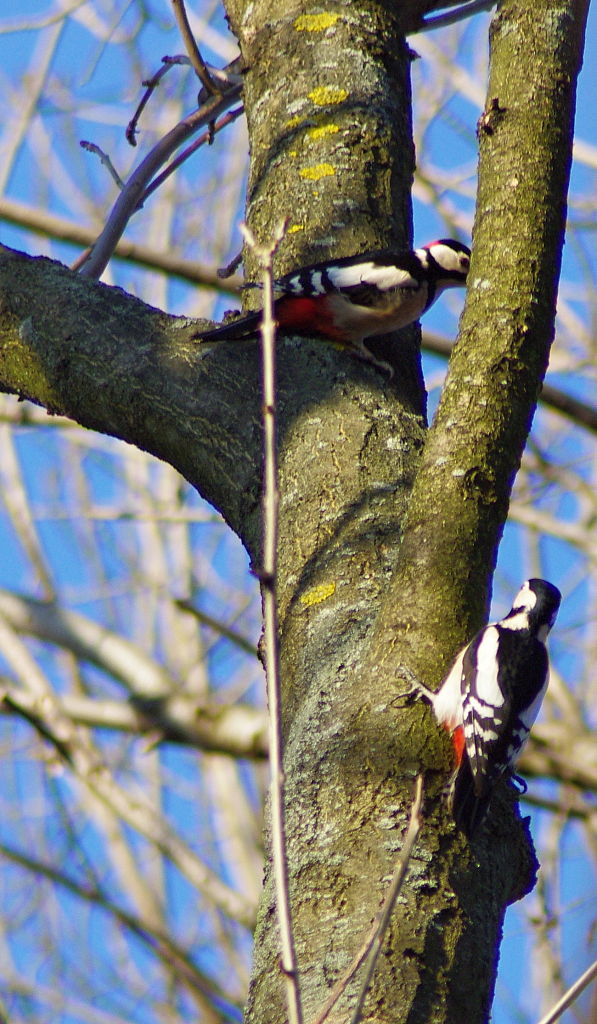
[350, 444]
[350, 760]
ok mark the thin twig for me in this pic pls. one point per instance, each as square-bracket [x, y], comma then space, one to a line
[571, 995]
[450, 17]
[218, 627]
[268, 576]
[383, 918]
[232, 267]
[372, 944]
[206, 137]
[150, 85]
[129, 197]
[105, 159]
[192, 49]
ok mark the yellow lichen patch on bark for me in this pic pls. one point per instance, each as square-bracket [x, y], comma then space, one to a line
[315, 22]
[318, 594]
[317, 172]
[326, 94]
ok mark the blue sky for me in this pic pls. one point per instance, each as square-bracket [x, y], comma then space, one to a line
[95, 102]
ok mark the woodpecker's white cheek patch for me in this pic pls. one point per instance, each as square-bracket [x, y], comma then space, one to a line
[525, 598]
[446, 257]
[487, 686]
[520, 620]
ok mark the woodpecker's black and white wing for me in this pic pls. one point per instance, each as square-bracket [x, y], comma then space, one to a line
[505, 673]
[364, 280]
[376, 278]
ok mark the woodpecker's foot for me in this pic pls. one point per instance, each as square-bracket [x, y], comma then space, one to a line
[362, 352]
[416, 689]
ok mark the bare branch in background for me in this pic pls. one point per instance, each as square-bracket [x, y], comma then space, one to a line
[238, 730]
[578, 411]
[571, 995]
[139, 181]
[182, 966]
[43, 223]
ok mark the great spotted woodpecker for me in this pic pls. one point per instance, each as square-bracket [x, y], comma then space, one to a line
[358, 297]
[491, 697]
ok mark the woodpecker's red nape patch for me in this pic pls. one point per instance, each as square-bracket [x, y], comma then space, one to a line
[307, 315]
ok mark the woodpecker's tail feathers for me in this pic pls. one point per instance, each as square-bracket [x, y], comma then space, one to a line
[467, 804]
[242, 327]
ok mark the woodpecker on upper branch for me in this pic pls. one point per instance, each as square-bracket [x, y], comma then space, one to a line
[358, 297]
[491, 697]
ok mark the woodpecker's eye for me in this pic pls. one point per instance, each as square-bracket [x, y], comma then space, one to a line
[465, 262]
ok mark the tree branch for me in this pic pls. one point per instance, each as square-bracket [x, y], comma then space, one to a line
[192, 49]
[107, 360]
[51, 226]
[132, 193]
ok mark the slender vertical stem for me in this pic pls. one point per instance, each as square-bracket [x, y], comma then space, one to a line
[268, 577]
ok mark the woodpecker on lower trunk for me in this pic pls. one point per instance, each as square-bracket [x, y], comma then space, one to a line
[491, 697]
[358, 297]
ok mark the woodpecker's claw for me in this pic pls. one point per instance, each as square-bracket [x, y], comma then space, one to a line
[417, 690]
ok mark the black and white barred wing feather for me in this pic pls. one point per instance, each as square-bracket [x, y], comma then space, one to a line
[504, 678]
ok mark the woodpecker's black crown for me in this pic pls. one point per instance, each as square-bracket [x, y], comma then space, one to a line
[548, 601]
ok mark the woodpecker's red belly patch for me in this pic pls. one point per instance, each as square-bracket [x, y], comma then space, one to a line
[309, 315]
